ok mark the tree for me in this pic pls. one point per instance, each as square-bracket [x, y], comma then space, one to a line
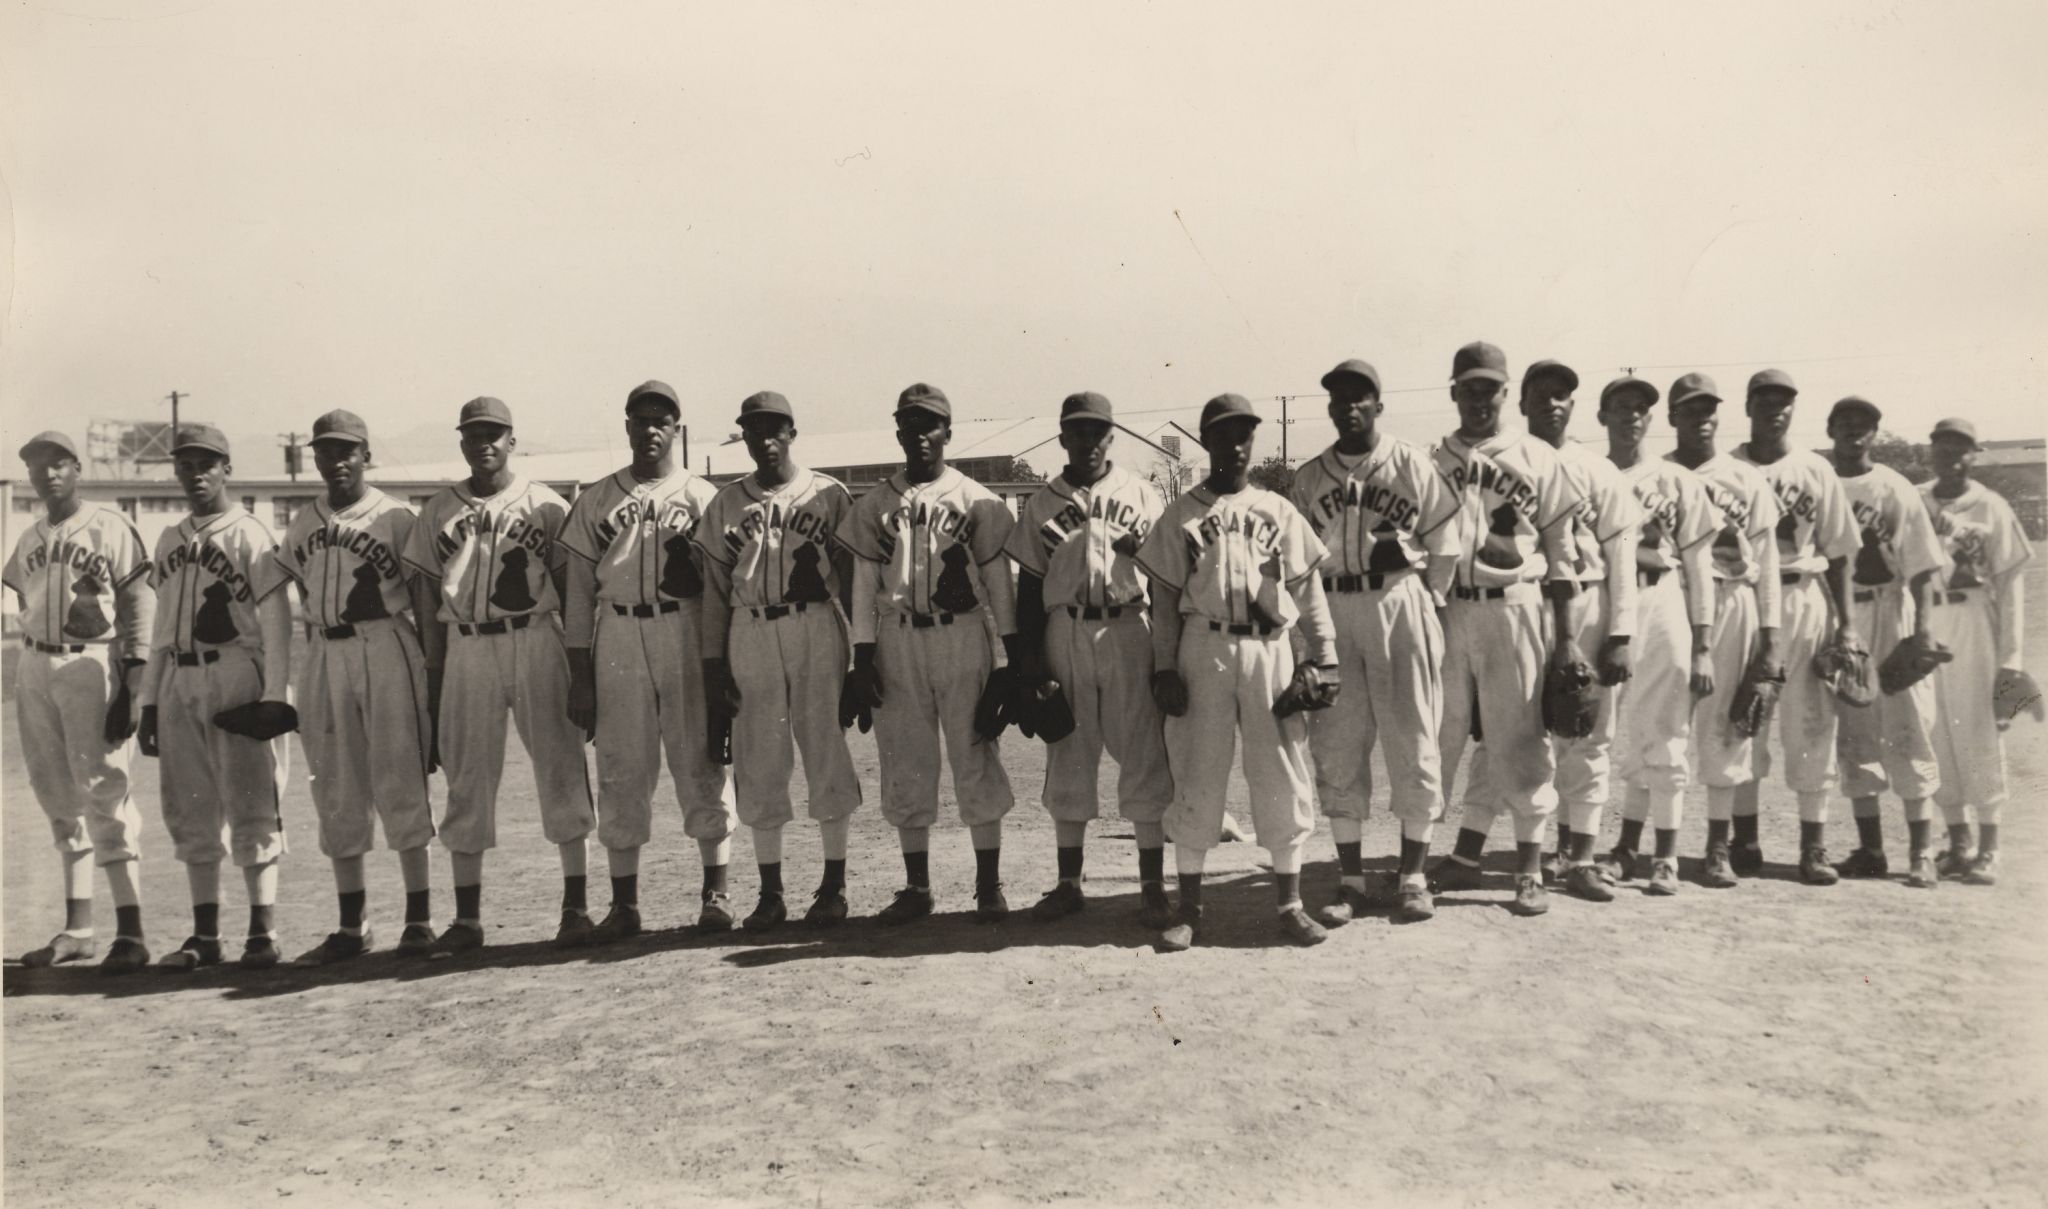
[1014, 470]
[1274, 474]
[1911, 459]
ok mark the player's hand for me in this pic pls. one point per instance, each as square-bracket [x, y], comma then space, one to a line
[145, 732]
[1613, 665]
[1847, 639]
[1170, 692]
[866, 675]
[1702, 683]
[583, 701]
[120, 723]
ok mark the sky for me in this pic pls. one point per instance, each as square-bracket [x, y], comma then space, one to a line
[282, 208]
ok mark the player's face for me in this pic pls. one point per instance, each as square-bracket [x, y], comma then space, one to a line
[487, 447]
[923, 436]
[204, 476]
[1549, 408]
[341, 464]
[1696, 421]
[768, 440]
[1229, 443]
[651, 427]
[1953, 456]
[1770, 413]
[54, 475]
[1353, 408]
[1479, 402]
[1626, 417]
[1852, 432]
[1087, 444]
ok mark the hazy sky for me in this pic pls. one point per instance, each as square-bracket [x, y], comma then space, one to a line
[287, 207]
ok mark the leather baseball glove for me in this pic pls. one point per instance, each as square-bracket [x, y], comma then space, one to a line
[1571, 702]
[1755, 698]
[1312, 688]
[1170, 692]
[258, 720]
[998, 704]
[2015, 693]
[1054, 713]
[1846, 672]
[1910, 662]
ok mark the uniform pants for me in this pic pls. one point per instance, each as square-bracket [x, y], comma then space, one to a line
[650, 701]
[1496, 650]
[1583, 778]
[60, 702]
[1969, 749]
[1806, 710]
[1888, 744]
[524, 673]
[1106, 669]
[1232, 682]
[790, 671]
[1722, 756]
[931, 681]
[1390, 649]
[364, 727]
[1653, 707]
[217, 786]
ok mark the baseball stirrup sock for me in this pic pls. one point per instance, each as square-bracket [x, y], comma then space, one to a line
[1351, 859]
[469, 902]
[419, 906]
[771, 879]
[128, 921]
[576, 893]
[987, 864]
[714, 879]
[1070, 864]
[1667, 844]
[917, 869]
[77, 914]
[1631, 835]
[835, 875]
[1152, 864]
[352, 902]
[626, 890]
[1745, 828]
[262, 919]
[206, 919]
[1870, 832]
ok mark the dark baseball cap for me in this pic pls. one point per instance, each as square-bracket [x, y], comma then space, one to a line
[1771, 379]
[1085, 405]
[1546, 368]
[1354, 368]
[1955, 426]
[1226, 407]
[52, 439]
[201, 436]
[919, 396]
[1626, 383]
[1855, 403]
[1693, 386]
[341, 426]
[765, 403]
[654, 389]
[1479, 360]
[485, 410]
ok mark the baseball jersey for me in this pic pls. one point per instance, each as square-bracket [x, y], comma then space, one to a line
[1677, 515]
[346, 560]
[1512, 493]
[1981, 534]
[638, 535]
[1606, 508]
[777, 542]
[1814, 525]
[210, 574]
[492, 556]
[1385, 510]
[1083, 541]
[68, 574]
[1233, 557]
[931, 539]
[1899, 541]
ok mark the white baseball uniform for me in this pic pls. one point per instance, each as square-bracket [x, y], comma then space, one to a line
[767, 554]
[68, 577]
[1814, 526]
[1889, 743]
[1389, 522]
[207, 655]
[1515, 502]
[1985, 543]
[1082, 542]
[362, 693]
[932, 545]
[1236, 560]
[492, 559]
[1746, 598]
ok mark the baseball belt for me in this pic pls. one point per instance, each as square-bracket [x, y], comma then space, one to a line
[778, 612]
[1243, 629]
[1095, 612]
[925, 621]
[503, 626]
[195, 658]
[53, 648]
[1939, 598]
[1464, 593]
[646, 610]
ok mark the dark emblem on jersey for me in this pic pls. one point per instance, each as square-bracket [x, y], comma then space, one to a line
[510, 593]
[1873, 569]
[679, 576]
[213, 623]
[806, 582]
[85, 618]
[1728, 544]
[1653, 535]
[1127, 545]
[1965, 549]
[1499, 550]
[1269, 573]
[366, 600]
[1387, 554]
[1788, 532]
[955, 593]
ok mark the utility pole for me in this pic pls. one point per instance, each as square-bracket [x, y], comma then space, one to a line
[1283, 430]
[175, 396]
[292, 459]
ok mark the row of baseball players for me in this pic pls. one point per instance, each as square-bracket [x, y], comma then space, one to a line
[662, 615]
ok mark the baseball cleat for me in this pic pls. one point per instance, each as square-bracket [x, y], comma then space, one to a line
[415, 940]
[1413, 902]
[1663, 877]
[1621, 865]
[1555, 867]
[990, 906]
[766, 913]
[911, 902]
[620, 923]
[1746, 859]
[1814, 868]
[1954, 863]
[1453, 874]
[716, 915]
[1349, 904]
[62, 949]
[1984, 870]
[457, 938]
[1865, 862]
[1586, 881]
[1922, 875]
[575, 930]
[1718, 872]
[1155, 910]
[195, 952]
[1530, 896]
[1296, 926]
[828, 907]
[125, 956]
[1059, 902]
[259, 953]
[1182, 935]
[338, 947]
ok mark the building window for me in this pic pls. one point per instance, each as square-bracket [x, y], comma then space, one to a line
[249, 504]
[127, 506]
[25, 501]
[285, 507]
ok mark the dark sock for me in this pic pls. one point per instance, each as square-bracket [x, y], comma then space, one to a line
[835, 876]
[1151, 864]
[1959, 837]
[1413, 854]
[626, 890]
[1287, 887]
[1564, 839]
[1070, 863]
[262, 920]
[1667, 843]
[469, 902]
[419, 906]
[1582, 847]
[1190, 892]
[1351, 859]
[576, 893]
[1745, 828]
[1631, 836]
[128, 921]
[1471, 844]
[714, 879]
[1870, 832]
[206, 919]
[987, 864]
[1528, 858]
[917, 869]
[1987, 837]
[1812, 835]
[1916, 835]
[771, 879]
[352, 907]
[77, 913]
[1717, 832]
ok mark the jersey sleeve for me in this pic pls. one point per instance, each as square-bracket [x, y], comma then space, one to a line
[1699, 517]
[861, 531]
[419, 552]
[283, 561]
[1920, 547]
[709, 534]
[12, 574]
[552, 515]
[1835, 532]
[1023, 543]
[2010, 548]
[993, 524]
[1614, 505]
[701, 492]
[126, 553]
[1301, 551]
[1302, 492]
[1557, 497]
[260, 554]
[1164, 554]
[579, 524]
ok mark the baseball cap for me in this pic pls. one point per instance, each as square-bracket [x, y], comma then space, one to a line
[1479, 360]
[1625, 384]
[55, 440]
[1771, 379]
[1086, 405]
[201, 436]
[1354, 368]
[1855, 403]
[765, 403]
[1955, 426]
[341, 426]
[919, 396]
[1547, 368]
[653, 389]
[1693, 386]
[1226, 407]
[485, 410]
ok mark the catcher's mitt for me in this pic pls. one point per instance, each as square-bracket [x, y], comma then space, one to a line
[1312, 688]
[1846, 672]
[1755, 698]
[1571, 702]
[1170, 692]
[2015, 693]
[997, 707]
[258, 720]
[1910, 662]
[1052, 715]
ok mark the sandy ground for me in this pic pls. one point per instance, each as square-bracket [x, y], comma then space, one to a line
[1866, 1044]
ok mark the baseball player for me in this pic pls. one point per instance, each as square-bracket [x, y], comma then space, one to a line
[1672, 664]
[774, 639]
[1515, 552]
[634, 623]
[1816, 538]
[1389, 523]
[1977, 616]
[928, 542]
[363, 716]
[220, 640]
[1081, 621]
[491, 547]
[81, 577]
[1889, 743]
[1233, 570]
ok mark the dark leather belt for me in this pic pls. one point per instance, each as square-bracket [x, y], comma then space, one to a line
[1789, 578]
[646, 610]
[925, 621]
[1094, 612]
[1464, 593]
[503, 626]
[1371, 582]
[778, 612]
[54, 648]
[338, 631]
[1242, 629]
[1649, 576]
[195, 658]
[1948, 598]
[1864, 595]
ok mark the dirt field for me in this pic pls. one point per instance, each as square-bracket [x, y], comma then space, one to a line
[1866, 1044]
